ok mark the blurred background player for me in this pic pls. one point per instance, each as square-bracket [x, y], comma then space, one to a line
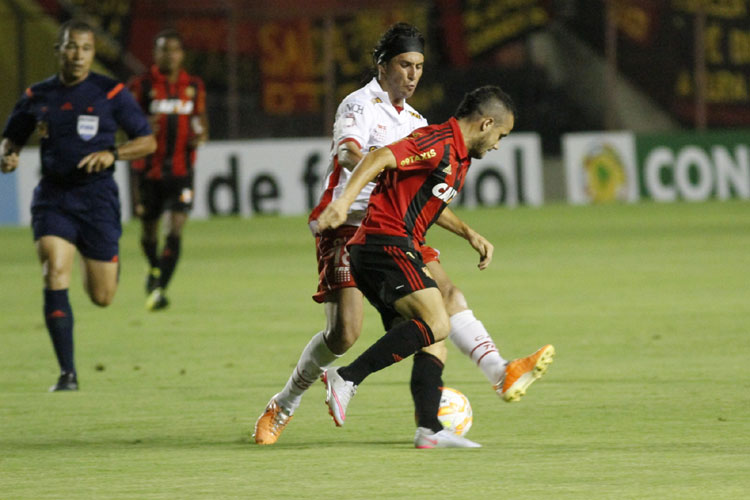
[76, 203]
[370, 118]
[421, 174]
[175, 102]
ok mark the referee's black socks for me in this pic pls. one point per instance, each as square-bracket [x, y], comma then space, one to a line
[58, 316]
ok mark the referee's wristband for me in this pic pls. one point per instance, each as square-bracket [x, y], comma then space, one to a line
[113, 150]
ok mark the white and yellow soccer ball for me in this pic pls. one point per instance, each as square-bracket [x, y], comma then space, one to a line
[455, 411]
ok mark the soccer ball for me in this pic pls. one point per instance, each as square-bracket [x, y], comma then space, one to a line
[455, 411]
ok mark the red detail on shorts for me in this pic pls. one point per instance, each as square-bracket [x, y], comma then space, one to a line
[430, 254]
[396, 357]
[115, 90]
[334, 272]
[67, 106]
[57, 313]
[166, 253]
[89, 109]
[116, 258]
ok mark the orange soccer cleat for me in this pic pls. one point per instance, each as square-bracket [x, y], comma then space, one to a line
[521, 373]
[271, 424]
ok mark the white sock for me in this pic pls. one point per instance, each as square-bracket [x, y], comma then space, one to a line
[472, 339]
[315, 358]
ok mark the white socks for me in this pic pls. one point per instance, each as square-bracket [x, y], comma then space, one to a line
[314, 359]
[472, 339]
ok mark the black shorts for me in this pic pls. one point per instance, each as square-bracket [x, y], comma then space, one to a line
[86, 215]
[385, 273]
[175, 193]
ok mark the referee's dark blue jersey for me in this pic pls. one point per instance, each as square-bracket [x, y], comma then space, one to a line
[74, 122]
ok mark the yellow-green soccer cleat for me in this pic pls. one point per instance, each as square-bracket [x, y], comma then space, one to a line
[156, 300]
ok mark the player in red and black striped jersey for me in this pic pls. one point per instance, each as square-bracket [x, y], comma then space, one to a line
[175, 102]
[420, 176]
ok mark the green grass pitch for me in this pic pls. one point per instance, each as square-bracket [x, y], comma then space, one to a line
[649, 396]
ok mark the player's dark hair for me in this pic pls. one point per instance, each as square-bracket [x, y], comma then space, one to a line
[480, 102]
[72, 25]
[397, 39]
[169, 34]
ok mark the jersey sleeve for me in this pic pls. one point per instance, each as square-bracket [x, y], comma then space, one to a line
[22, 120]
[200, 96]
[128, 114]
[353, 122]
[409, 156]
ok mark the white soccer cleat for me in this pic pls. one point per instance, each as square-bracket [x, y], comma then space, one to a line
[425, 438]
[338, 394]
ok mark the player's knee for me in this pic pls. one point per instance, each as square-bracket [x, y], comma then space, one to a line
[102, 297]
[439, 350]
[440, 325]
[342, 337]
[55, 278]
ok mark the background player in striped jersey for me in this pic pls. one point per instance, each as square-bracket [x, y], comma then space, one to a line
[421, 174]
[176, 104]
[368, 119]
[76, 204]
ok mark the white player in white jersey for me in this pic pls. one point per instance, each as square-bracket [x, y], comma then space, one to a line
[367, 119]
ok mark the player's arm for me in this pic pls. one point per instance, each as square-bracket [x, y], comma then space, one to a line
[349, 154]
[9, 159]
[366, 171]
[199, 124]
[452, 223]
[131, 150]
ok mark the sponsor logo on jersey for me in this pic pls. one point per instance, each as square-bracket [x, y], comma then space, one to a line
[349, 120]
[171, 107]
[354, 107]
[380, 132]
[190, 92]
[444, 192]
[88, 126]
[418, 157]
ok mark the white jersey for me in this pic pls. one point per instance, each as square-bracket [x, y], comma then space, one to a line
[368, 118]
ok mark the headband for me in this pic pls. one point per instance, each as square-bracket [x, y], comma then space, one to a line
[397, 46]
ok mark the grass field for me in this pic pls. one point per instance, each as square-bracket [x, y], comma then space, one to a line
[649, 396]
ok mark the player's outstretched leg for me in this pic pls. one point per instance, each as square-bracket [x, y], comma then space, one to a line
[521, 373]
[427, 438]
[314, 359]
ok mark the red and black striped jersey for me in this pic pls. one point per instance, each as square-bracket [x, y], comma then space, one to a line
[172, 109]
[431, 167]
